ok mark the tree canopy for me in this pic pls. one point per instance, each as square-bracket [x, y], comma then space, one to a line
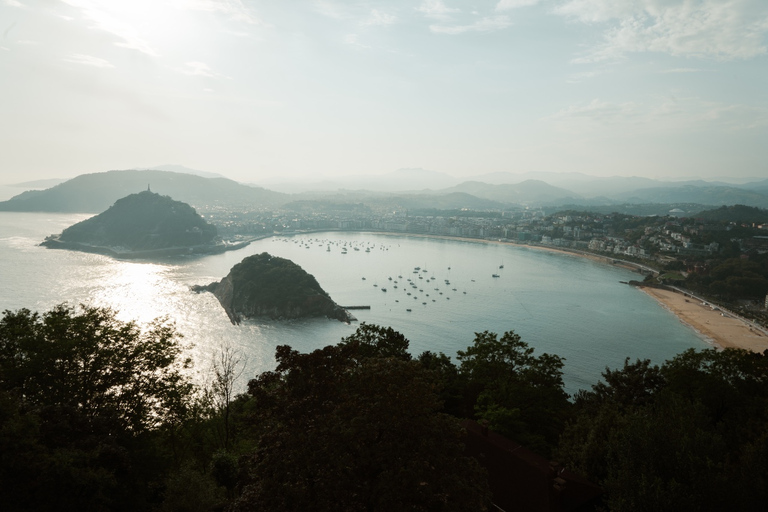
[688, 435]
[143, 221]
[349, 427]
[80, 392]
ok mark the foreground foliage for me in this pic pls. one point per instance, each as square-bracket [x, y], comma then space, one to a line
[341, 429]
[97, 414]
[82, 398]
[689, 435]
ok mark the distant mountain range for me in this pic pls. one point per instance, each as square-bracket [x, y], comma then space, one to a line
[539, 193]
[94, 193]
[405, 188]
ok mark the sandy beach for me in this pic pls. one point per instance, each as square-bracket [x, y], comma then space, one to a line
[722, 328]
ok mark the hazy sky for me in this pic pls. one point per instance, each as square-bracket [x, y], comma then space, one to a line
[249, 89]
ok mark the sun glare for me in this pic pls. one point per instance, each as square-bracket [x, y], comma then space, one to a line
[151, 27]
[137, 291]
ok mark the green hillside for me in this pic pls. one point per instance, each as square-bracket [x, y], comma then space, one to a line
[737, 213]
[143, 221]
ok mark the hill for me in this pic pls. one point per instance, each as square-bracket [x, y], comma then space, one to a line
[528, 192]
[140, 223]
[707, 195]
[267, 286]
[737, 213]
[93, 193]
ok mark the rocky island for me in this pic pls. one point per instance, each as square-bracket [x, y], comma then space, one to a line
[143, 225]
[263, 285]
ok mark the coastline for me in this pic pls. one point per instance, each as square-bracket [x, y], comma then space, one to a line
[638, 267]
[723, 329]
[53, 242]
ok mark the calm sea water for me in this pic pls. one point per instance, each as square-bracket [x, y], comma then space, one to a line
[560, 304]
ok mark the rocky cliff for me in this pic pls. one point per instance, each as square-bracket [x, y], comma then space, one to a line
[267, 286]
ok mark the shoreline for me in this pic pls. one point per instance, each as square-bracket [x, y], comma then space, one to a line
[720, 328]
[53, 242]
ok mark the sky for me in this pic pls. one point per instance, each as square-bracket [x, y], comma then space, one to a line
[304, 89]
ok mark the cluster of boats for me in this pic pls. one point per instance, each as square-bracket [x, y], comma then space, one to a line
[417, 287]
[416, 283]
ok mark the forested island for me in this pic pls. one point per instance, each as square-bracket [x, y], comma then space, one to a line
[142, 225]
[267, 286]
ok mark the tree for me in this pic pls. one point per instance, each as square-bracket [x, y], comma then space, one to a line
[228, 366]
[84, 397]
[689, 435]
[521, 396]
[375, 341]
[343, 429]
[111, 372]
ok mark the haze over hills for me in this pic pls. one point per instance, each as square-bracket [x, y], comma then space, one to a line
[418, 189]
[93, 193]
[184, 170]
[527, 193]
[401, 180]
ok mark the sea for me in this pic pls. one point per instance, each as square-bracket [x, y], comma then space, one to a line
[558, 303]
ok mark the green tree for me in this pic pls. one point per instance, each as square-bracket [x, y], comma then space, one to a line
[689, 435]
[520, 395]
[375, 341]
[85, 398]
[341, 429]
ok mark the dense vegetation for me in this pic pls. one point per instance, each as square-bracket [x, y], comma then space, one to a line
[689, 435]
[143, 221]
[733, 279]
[97, 414]
[263, 279]
[737, 213]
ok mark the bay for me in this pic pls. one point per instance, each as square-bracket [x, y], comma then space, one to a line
[558, 303]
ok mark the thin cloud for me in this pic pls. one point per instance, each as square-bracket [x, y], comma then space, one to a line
[662, 114]
[710, 29]
[378, 18]
[352, 39]
[235, 9]
[330, 10]
[436, 9]
[488, 24]
[683, 70]
[196, 68]
[506, 5]
[577, 78]
[13, 3]
[88, 60]
[600, 111]
[103, 20]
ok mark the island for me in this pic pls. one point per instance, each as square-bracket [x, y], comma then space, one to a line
[143, 225]
[263, 285]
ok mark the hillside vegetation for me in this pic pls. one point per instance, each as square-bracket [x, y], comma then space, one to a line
[263, 285]
[143, 221]
[736, 213]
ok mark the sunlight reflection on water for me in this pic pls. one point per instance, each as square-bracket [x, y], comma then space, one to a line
[565, 305]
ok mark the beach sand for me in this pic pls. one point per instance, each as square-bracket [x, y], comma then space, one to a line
[722, 328]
